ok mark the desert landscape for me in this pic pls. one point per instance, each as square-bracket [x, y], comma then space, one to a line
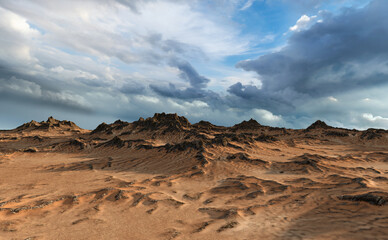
[193, 120]
[165, 178]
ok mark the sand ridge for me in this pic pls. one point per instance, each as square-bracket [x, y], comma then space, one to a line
[165, 178]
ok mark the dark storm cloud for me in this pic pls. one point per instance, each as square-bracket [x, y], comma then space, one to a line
[342, 53]
[188, 74]
[131, 87]
[244, 91]
[172, 91]
[250, 96]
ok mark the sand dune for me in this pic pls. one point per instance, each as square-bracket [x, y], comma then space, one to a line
[165, 178]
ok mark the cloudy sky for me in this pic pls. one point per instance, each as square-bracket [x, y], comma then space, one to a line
[281, 62]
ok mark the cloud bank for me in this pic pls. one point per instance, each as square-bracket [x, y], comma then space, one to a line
[94, 61]
[341, 54]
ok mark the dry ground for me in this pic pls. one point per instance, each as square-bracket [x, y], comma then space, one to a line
[163, 178]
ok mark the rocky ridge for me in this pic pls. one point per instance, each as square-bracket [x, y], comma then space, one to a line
[239, 180]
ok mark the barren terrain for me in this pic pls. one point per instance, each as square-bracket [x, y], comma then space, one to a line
[165, 178]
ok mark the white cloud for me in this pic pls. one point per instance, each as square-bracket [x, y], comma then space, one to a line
[247, 5]
[148, 99]
[332, 99]
[116, 31]
[196, 104]
[20, 86]
[14, 22]
[371, 118]
[111, 44]
[66, 97]
[57, 69]
[368, 120]
[17, 36]
[31, 90]
[303, 22]
[266, 116]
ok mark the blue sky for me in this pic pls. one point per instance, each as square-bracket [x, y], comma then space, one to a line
[282, 62]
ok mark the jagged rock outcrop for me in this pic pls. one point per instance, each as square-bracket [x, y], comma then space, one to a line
[319, 125]
[266, 138]
[103, 127]
[50, 124]
[114, 142]
[110, 128]
[205, 125]
[374, 198]
[169, 122]
[372, 133]
[244, 125]
[78, 143]
[336, 134]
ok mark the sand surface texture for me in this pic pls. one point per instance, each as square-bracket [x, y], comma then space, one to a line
[165, 178]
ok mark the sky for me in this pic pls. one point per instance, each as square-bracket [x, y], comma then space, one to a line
[284, 63]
